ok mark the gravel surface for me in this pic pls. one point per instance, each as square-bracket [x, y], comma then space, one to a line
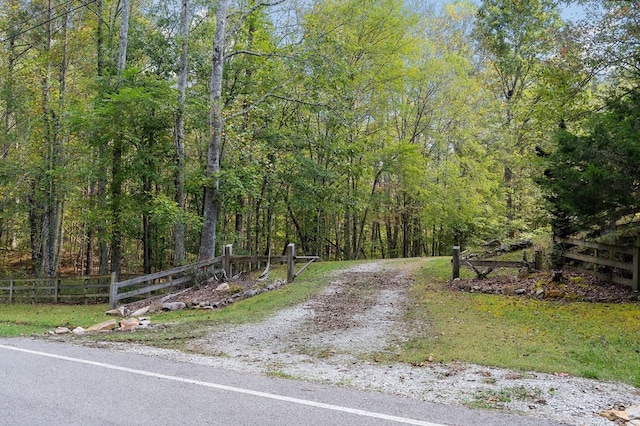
[324, 339]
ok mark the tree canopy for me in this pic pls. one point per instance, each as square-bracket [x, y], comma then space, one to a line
[138, 135]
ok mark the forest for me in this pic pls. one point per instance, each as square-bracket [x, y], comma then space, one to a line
[136, 135]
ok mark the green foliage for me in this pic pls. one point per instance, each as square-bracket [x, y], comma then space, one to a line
[591, 180]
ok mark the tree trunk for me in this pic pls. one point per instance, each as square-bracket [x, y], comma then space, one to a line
[216, 124]
[8, 92]
[116, 164]
[179, 247]
[101, 188]
[52, 209]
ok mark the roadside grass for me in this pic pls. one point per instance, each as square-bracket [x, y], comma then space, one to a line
[24, 319]
[593, 340]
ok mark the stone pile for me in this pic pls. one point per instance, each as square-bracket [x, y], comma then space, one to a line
[629, 416]
[125, 324]
[134, 319]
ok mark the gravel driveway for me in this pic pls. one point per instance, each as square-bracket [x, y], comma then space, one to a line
[359, 313]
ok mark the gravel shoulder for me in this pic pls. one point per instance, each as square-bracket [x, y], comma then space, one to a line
[360, 312]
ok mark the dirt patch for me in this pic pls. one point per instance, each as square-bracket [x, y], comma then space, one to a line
[357, 313]
[568, 286]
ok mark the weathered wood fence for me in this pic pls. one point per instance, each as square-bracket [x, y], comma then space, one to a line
[102, 288]
[620, 260]
[190, 274]
[458, 261]
[94, 288]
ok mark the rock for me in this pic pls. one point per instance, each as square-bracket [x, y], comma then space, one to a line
[129, 324]
[140, 312]
[79, 330]
[155, 307]
[118, 312]
[62, 330]
[634, 412]
[492, 243]
[633, 423]
[223, 287]
[144, 322]
[104, 326]
[520, 291]
[174, 306]
[622, 415]
[248, 293]
[523, 273]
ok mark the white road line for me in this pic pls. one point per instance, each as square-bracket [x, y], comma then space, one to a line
[355, 411]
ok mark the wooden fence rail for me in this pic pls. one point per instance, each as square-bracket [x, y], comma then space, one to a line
[100, 288]
[85, 289]
[458, 261]
[604, 255]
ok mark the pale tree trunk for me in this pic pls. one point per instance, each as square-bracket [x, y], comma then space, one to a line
[52, 208]
[180, 252]
[216, 124]
[118, 147]
[124, 37]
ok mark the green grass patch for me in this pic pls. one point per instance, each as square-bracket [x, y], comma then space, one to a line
[24, 320]
[600, 341]
[496, 399]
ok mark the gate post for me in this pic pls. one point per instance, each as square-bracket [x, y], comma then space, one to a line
[113, 293]
[226, 261]
[456, 262]
[636, 266]
[291, 265]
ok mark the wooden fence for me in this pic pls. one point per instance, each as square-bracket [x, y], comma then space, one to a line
[88, 289]
[458, 261]
[187, 275]
[623, 263]
[102, 288]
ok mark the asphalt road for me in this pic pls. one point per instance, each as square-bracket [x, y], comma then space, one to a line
[50, 383]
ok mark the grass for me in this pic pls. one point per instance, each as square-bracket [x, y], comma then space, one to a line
[24, 320]
[496, 399]
[600, 341]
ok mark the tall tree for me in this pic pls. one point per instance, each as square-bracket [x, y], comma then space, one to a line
[216, 124]
[519, 36]
[183, 71]
[117, 178]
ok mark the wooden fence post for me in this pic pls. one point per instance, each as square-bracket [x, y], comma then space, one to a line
[537, 260]
[226, 261]
[456, 263]
[11, 291]
[56, 291]
[291, 264]
[113, 294]
[636, 266]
